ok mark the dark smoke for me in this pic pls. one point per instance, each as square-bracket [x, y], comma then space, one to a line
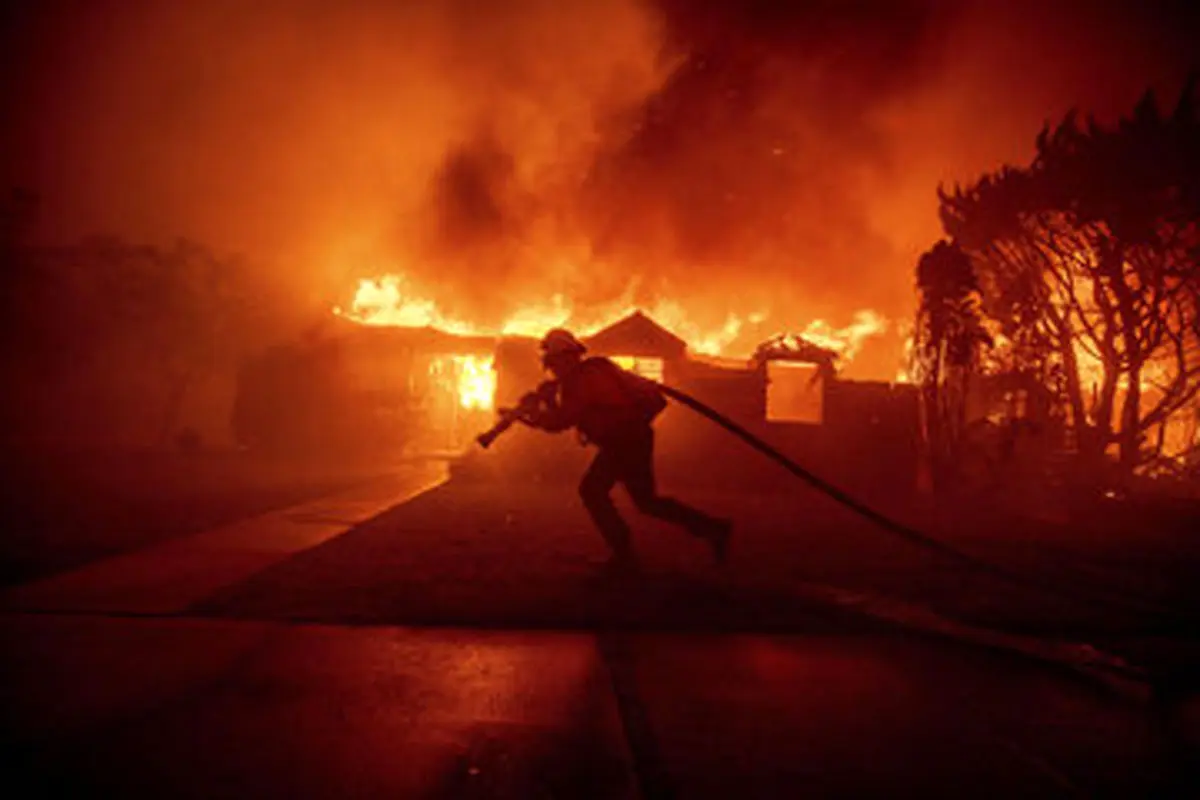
[752, 156]
[736, 156]
[469, 197]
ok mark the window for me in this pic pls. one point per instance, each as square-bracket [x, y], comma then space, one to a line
[651, 368]
[794, 392]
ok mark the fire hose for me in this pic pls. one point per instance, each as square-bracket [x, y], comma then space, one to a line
[509, 417]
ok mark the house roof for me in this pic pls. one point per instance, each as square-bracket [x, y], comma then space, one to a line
[793, 347]
[637, 335]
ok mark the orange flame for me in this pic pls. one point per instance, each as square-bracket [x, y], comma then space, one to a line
[847, 341]
[387, 302]
[472, 377]
[476, 381]
[391, 301]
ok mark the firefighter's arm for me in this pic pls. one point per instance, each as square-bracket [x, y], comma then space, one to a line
[552, 418]
[530, 409]
[549, 414]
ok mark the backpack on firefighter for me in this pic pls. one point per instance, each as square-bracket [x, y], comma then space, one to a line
[643, 393]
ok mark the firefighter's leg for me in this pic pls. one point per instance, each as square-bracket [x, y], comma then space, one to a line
[636, 468]
[595, 489]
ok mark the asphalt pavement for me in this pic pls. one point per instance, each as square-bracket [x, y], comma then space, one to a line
[418, 639]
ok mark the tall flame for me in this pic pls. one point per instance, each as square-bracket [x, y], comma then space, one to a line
[391, 301]
[472, 377]
[476, 381]
[385, 301]
[847, 341]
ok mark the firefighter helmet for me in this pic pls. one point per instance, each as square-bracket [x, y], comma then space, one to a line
[560, 342]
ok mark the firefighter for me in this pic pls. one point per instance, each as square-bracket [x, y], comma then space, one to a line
[614, 409]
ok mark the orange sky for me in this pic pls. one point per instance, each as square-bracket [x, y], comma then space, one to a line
[735, 157]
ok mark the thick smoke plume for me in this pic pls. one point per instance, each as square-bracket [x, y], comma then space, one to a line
[735, 157]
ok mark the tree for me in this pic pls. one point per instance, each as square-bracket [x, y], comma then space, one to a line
[948, 339]
[1087, 261]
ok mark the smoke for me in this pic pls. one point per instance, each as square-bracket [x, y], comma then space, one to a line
[733, 156]
[758, 158]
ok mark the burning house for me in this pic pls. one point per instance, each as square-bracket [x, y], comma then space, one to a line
[863, 434]
[349, 388]
[398, 389]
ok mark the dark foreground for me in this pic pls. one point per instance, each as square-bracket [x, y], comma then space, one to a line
[64, 509]
[455, 646]
[202, 708]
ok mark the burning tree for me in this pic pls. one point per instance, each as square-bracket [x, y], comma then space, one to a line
[1087, 261]
[948, 340]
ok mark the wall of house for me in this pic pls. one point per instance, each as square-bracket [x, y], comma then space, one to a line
[867, 440]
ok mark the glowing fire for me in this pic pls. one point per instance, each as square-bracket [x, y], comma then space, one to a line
[390, 301]
[387, 301]
[473, 379]
[651, 368]
[476, 381]
[847, 341]
[384, 302]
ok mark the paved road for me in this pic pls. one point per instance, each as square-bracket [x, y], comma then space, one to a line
[209, 708]
[62, 510]
[300, 655]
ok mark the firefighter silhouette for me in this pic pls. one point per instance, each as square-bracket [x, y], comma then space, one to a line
[614, 409]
